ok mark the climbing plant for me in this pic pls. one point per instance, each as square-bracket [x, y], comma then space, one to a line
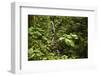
[57, 37]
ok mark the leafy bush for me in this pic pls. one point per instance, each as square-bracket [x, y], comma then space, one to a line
[57, 37]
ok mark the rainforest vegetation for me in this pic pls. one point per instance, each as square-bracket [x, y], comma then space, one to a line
[57, 37]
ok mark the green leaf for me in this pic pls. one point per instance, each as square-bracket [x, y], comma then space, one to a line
[69, 42]
[61, 38]
[74, 36]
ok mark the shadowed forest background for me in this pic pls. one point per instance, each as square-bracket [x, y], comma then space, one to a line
[57, 37]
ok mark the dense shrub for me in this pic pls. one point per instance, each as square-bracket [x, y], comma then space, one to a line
[57, 37]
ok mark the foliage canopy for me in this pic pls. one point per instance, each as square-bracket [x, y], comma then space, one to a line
[57, 37]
